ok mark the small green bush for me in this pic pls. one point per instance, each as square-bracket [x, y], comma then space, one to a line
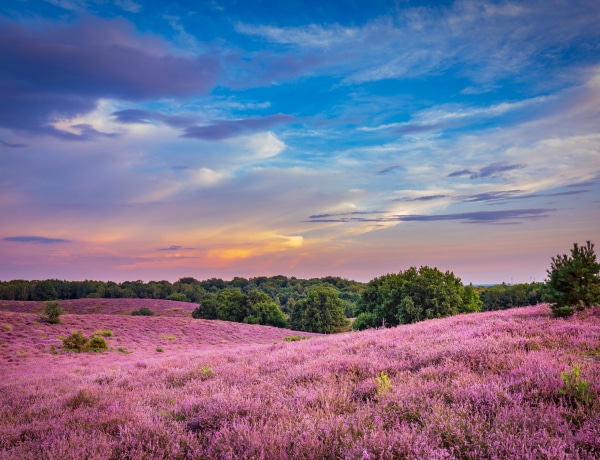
[98, 344]
[77, 342]
[179, 296]
[159, 350]
[52, 312]
[144, 311]
[80, 343]
[296, 338]
[384, 384]
[576, 388]
[103, 333]
[207, 371]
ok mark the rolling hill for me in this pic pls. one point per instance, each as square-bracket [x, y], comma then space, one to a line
[485, 385]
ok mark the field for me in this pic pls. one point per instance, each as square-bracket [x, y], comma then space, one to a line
[486, 385]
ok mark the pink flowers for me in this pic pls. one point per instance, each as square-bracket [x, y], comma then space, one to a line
[483, 385]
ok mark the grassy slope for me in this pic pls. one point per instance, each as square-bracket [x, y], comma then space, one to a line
[473, 386]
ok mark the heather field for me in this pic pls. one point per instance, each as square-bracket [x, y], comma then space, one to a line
[475, 386]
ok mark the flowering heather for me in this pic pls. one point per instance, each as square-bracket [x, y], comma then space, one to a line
[486, 385]
[105, 306]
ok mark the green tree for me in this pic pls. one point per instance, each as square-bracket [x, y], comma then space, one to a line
[471, 301]
[207, 308]
[231, 305]
[414, 295]
[52, 312]
[44, 290]
[267, 314]
[573, 281]
[320, 311]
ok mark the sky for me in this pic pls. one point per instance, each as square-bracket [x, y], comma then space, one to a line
[151, 140]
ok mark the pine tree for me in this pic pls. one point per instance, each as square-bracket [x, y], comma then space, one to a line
[574, 281]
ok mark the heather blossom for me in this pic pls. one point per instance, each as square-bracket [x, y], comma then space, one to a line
[482, 385]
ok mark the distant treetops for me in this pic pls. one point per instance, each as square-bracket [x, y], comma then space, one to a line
[414, 295]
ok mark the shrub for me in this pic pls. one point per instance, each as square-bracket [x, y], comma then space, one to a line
[77, 342]
[365, 320]
[98, 344]
[296, 338]
[179, 296]
[574, 281]
[384, 384]
[144, 311]
[52, 312]
[103, 333]
[576, 388]
[159, 350]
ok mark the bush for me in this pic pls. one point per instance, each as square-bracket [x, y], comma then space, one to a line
[365, 320]
[97, 344]
[144, 311]
[574, 281]
[104, 333]
[77, 342]
[179, 296]
[52, 312]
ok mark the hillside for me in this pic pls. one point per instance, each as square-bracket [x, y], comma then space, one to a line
[484, 385]
[24, 338]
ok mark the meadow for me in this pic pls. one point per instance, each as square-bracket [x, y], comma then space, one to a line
[505, 384]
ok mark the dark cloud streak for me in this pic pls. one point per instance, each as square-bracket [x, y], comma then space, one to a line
[492, 170]
[476, 217]
[223, 129]
[35, 239]
[60, 72]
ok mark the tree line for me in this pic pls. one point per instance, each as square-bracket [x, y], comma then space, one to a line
[325, 304]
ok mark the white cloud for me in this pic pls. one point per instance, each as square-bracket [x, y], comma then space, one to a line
[490, 41]
[265, 145]
[128, 5]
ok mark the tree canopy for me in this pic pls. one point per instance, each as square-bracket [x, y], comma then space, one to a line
[414, 295]
[573, 280]
[320, 311]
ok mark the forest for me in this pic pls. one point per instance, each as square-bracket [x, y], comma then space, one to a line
[282, 300]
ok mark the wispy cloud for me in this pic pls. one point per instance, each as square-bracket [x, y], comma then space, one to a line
[493, 170]
[224, 129]
[478, 217]
[489, 41]
[35, 239]
[175, 247]
[12, 146]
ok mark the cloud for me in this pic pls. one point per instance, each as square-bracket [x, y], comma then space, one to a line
[128, 5]
[12, 146]
[493, 170]
[135, 116]
[388, 170]
[487, 41]
[490, 196]
[423, 198]
[58, 72]
[476, 217]
[175, 247]
[224, 129]
[35, 239]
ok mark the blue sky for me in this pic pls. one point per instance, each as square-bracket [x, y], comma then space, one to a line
[154, 140]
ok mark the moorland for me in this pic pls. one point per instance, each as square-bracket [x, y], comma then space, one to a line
[516, 383]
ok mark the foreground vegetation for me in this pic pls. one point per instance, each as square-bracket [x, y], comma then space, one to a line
[505, 384]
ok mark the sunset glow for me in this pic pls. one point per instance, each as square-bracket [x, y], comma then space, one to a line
[151, 140]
